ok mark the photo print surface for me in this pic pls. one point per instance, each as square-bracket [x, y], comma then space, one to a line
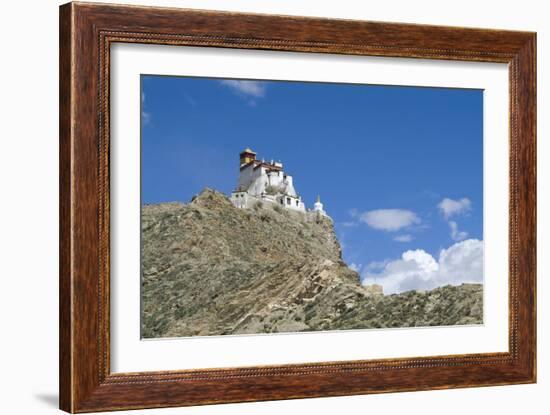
[275, 206]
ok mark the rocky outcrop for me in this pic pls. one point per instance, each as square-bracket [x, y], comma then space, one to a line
[209, 268]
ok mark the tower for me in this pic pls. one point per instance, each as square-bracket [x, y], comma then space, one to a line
[247, 156]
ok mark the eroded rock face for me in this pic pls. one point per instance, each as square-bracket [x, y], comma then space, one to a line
[210, 269]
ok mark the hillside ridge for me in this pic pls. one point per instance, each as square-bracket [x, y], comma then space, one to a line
[209, 268]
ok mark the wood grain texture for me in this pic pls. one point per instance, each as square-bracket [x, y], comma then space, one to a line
[86, 33]
[65, 246]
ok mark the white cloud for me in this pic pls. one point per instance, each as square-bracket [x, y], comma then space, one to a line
[389, 219]
[457, 235]
[355, 267]
[376, 265]
[450, 207]
[146, 117]
[418, 270]
[403, 238]
[348, 224]
[253, 89]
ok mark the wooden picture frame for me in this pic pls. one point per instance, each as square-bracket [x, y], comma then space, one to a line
[86, 33]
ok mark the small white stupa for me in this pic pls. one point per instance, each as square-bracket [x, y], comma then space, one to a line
[318, 206]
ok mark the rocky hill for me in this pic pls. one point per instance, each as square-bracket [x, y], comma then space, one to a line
[210, 269]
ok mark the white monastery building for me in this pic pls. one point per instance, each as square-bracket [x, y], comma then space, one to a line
[266, 182]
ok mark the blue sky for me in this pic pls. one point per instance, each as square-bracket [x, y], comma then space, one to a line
[399, 169]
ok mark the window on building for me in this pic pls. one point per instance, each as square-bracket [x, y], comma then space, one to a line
[288, 200]
[297, 203]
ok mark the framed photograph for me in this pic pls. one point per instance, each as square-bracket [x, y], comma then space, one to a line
[259, 207]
